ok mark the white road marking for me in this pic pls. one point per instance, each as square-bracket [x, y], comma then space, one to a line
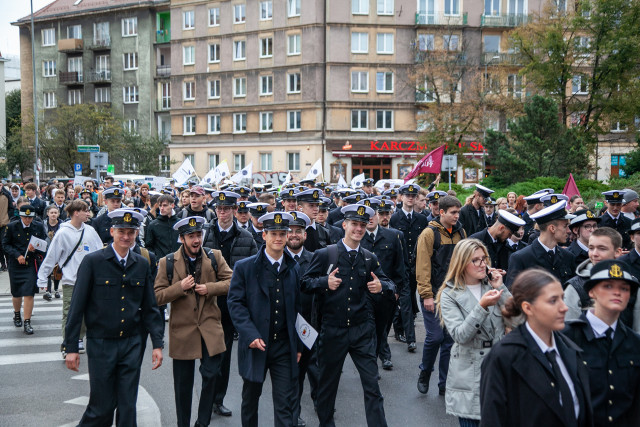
[14, 359]
[29, 341]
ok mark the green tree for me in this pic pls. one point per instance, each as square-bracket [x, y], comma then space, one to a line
[13, 110]
[537, 145]
[142, 153]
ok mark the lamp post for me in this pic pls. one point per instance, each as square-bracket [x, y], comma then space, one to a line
[484, 103]
[36, 163]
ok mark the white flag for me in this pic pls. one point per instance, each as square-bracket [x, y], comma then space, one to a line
[184, 172]
[221, 172]
[316, 170]
[287, 179]
[306, 332]
[341, 182]
[208, 178]
[357, 181]
[245, 173]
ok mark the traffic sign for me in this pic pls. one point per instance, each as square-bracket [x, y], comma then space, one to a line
[111, 169]
[77, 169]
[449, 163]
[88, 149]
[98, 160]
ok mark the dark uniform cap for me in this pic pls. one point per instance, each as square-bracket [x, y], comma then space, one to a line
[288, 194]
[435, 196]
[193, 181]
[372, 202]
[224, 186]
[225, 198]
[486, 192]
[551, 213]
[243, 206]
[258, 187]
[490, 201]
[243, 191]
[300, 219]
[276, 221]
[321, 185]
[311, 195]
[353, 198]
[113, 193]
[409, 189]
[611, 269]
[190, 224]
[368, 182]
[392, 192]
[510, 221]
[359, 213]
[635, 226]
[307, 181]
[386, 206]
[141, 211]
[167, 189]
[258, 209]
[325, 202]
[125, 218]
[346, 192]
[552, 198]
[584, 215]
[27, 210]
[85, 191]
[534, 198]
[268, 185]
[614, 196]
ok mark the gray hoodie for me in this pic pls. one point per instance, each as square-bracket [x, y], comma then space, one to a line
[573, 289]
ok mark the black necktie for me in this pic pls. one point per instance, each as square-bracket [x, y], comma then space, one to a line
[552, 256]
[296, 257]
[276, 266]
[122, 262]
[223, 236]
[372, 236]
[565, 392]
[609, 336]
[352, 256]
[409, 217]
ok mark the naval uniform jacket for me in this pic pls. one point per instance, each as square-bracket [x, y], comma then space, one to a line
[411, 230]
[517, 387]
[114, 301]
[578, 252]
[498, 251]
[15, 242]
[472, 220]
[389, 248]
[102, 225]
[306, 300]
[622, 226]
[249, 304]
[614, 374]
[535, 255]
[38, 204]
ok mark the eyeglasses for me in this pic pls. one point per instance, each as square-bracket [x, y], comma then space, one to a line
[224, 208]
[479, 261]
[590, 226]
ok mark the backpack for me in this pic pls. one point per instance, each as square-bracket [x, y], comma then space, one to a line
[170, 257]
[436, 245]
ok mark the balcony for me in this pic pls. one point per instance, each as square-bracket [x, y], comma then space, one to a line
[70, 45]
[102, 76]
[163, 36]
[163, 71]
[424, 18]
[495, 58]
[511, 20]
[70, 78]
[101, 44]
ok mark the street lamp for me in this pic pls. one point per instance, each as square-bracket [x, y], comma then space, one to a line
[484, 104]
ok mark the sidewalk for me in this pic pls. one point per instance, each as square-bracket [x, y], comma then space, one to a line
[5, 288]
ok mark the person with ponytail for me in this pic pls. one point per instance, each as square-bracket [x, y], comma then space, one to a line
[535, 376]
[469, 307]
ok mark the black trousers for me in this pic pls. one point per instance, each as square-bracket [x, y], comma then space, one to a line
[284, 388]
[334, 343]
[406, 311]
[384, 317]
[183, 373]
[114, 375]
[308, 366]
[222, 381]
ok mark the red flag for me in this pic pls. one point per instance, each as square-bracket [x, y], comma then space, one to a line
[431, 163]
[570, 188]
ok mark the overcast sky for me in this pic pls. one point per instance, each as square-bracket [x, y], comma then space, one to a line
[12, 10]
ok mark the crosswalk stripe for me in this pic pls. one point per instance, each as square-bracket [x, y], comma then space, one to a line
[46, 327]
[14, 359]
[37, 319]
[29, 341]
[36, 309]
[54, 303]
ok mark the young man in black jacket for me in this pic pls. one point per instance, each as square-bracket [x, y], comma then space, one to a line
[161, 238]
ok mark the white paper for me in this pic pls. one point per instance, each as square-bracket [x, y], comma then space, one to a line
[245, 173]
[316, 170]
[307, 334]
[38, 244]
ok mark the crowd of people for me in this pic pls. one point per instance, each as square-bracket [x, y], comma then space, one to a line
[528, 301]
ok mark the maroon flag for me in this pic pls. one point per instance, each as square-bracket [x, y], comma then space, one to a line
[431, 163]
[570, 188]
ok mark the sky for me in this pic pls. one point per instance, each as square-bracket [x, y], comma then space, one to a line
[12, 10]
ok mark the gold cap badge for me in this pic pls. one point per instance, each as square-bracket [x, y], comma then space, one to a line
[192, 222]
[361, 210]
[615, 271]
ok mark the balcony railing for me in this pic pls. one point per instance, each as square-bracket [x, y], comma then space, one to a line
[424, 18]
[163, 70]
[70, 45]
[510, 20]
[101, 44]
[70, 78]
[163, 36]
[495, 58]
[100, 76]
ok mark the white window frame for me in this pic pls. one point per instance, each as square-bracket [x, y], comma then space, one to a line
[130, 61]
[191, 157]
[268, 90]
[266, 43]
[49, 100]
[48, 166]
[188, 55]
[453, 6]
[360, 115]
[214, 53]
[238, 161]
[294, 42]
[296, 115]
[102, 94]
[130, 26]
[294, 83]
[48, 37]
[580, 83]
[214, 17]
[131, 126]
[239, 50]
[358, 40]
[188, 20]
[266, 162]
[164, 163]
[618, 127]
[189, 125]
[130, 94]
[49, 68]
[213, 124]
[293, 161]
[360, 82]
[74, 96]
[214, 160]
[266, 117]
[359, 7]
[239, 13]
[74, 31]
[266, 10]
[426, 42]
[240, 123]
[239, 87]
[451, 39]
[385, 7]
[189, 91]
[293, 8]
[382, 43]
[384, 75]
[213, 89]
[425, 94]
[384, 112]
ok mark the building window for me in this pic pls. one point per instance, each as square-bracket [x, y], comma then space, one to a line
[188, 55]
[266, 122]
[492, 7]
[130, 61]
[189, 91]
[359, 42]
[294, 121]
[130, 26]
[359, 120]
[49, 100]
[579, 85]
[130, 94]
[74, 32]
[214, 53]
[103, 66]
[384, 120]
[48, 166]
[239, 87]
[240, 123]
[214, 160]
[131, 126]
[48, 68]
[426, 42]
[293, 161]
[425, 94]
[189, 126]
[266, 10]
[293, 7]
[293, 83]
[266, 47]
[164, 162]
[239, 14]
[239, 50]
[360, 7]
[560, 5]
[214, 89]
[214, 16]
[188, 20]
[74, 65]
[293, 44]
[265, 162]
[238, 162]
[266, 85]
[617, 127]
[49, 37]
[102, 94]
[451, 7]
[491, 44]
[450, 42]
[359, 81]
[214, 123]
[75, 96]
[514, 85]
[166, 95]
[384, 82]
[385, 7]
[385, 43]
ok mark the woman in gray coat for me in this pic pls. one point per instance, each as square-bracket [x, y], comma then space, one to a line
[469, 307]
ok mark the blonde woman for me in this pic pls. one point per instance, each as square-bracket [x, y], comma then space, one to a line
[512, 197]
[469, 305]
[502, 203]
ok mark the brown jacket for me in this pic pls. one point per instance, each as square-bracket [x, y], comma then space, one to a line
[191, 321]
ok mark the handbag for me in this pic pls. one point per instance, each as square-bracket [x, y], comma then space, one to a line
[57, 273]
[59, 268]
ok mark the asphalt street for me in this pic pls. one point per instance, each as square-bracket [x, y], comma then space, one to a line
[37, 389]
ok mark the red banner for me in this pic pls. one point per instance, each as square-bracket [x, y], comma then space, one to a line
[570, 188]
[431, 163]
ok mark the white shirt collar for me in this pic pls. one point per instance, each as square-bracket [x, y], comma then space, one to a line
[299, 253]
[406, 212]
[313, 225]
[126, 257]
[226, 229]
[511, 242]
[23, 224]
[543, 346]
[349, 248]
[598, 326]
[256, 230]
[613, 217]
[584, 248]
[273, 260]
[375, 233]
[546, 249]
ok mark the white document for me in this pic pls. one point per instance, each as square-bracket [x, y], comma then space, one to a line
[38, 244]
[307, 334]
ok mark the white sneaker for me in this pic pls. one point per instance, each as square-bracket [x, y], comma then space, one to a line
[81, 347]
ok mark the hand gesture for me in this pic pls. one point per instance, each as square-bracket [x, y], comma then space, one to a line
[334, 281]
[490, 298]
[72, 360]
[156, 358]
[30, 248]
[375, 287]
[201, 289]
[187, 283]
[495, 276]
[259, 344]
[429, 305]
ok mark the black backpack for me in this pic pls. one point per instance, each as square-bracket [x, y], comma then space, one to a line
[436, 245]
[170, 260]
